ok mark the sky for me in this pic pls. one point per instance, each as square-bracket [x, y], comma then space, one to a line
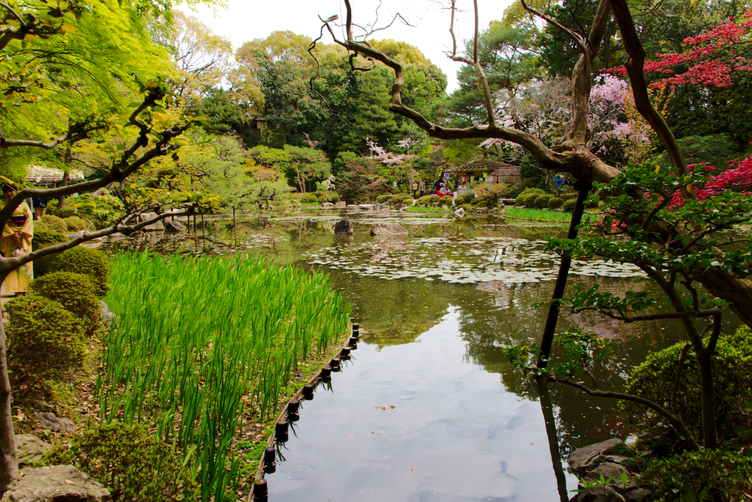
[245, 20]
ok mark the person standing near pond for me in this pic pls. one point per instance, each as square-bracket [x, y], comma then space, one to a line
[422, 188]
[415, 189]
[16, 241]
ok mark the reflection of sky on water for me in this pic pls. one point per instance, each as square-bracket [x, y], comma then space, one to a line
[459, 261]
[454, 433]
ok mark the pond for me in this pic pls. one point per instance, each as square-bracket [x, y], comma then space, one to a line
[427, 409]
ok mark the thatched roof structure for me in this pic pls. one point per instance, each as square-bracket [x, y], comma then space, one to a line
[42, 175]
[498, 172]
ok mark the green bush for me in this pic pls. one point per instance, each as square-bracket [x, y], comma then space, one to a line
[66, 211]
[530, 199]
[45, 341]
[695, 475]
[86, 261]
[401, 199]
[75, 292]
[569, 195]
[555, 203]
[102, 209]
[331, 197]
[131, 462]
[519, 187]
[521, 198]
[75, 223]
[485, 201]
[54, 223]
[383, 199]
[569, 205]
[308, 198]
[465, 198]
[44, 237]
[428, 200]
[541, 201]
[667, 378]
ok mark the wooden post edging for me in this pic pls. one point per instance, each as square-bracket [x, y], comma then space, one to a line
[281, 424]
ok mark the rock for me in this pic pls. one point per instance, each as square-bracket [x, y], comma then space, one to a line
[105, 313]
[384, 229]
[157, 225]
[353, 207]
[343, 227]
[327, 205]
[55, 424]
[58, 483]
[366, 207]
[30, 449]
[584, 460]
[460, 212]
[482, 210]
[341, 204]
[595, 461]
[173, 227]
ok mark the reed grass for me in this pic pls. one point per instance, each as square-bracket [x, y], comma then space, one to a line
[199, 343]
[532, 214]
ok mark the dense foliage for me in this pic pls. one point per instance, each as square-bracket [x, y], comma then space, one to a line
[75, 292]
[86, 261]
[130, 461]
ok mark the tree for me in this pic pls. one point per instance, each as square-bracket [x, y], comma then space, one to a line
[31, 66]
[570, 155]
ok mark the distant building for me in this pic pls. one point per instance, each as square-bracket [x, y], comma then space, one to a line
[43, 175]
[491, 171]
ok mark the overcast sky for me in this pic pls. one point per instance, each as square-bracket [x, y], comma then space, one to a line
[246, 20]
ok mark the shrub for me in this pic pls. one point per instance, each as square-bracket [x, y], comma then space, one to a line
[44, 237]
[75, 293]
[520, 199]
[66, 211]
[54, 223]
[485, 201]
[133, 464]
[695, 475]
[656, 379]
[530, 199]
[568, 195]
[331, 197]
[382, 199]
[308, 198]
[465, 198]
[86, 261]
[428, 200]
[555, 203]
[569, 205]
[541, 201]
[45, 341]
[401, 199]
[76, 223]
[102, 209]
[520, 187]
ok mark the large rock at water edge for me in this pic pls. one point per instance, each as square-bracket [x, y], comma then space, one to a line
[384, 229]
[173, 227]
[343, 227]
[59, 483]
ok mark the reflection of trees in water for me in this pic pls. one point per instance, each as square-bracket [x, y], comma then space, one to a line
[507, 317]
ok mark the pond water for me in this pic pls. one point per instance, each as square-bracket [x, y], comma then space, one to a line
[427, 409]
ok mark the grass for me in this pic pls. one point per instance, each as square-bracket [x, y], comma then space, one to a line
[540, 215]
[200, 344]
[424, 209]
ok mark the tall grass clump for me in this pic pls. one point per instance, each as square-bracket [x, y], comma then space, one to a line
[200, 342]
[526, 213]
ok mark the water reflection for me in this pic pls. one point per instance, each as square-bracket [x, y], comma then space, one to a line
[465, 425]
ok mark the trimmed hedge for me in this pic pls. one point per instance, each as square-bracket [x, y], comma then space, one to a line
[308, 198]
[134, 464]
[45, 341]
[569, 205]
[541, 201]
[656, 379]
[76, 223]
[75, 292]
[54, 223]
[465, 198]
[521, 198]
[555, 203]
[696, 475]
[86, 261]
[44, 237]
